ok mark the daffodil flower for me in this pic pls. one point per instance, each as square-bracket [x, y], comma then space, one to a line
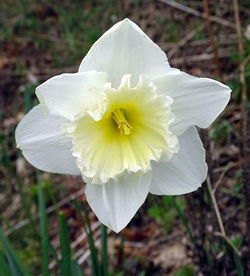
[125, 122]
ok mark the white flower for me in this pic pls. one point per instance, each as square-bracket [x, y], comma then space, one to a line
[125, 122]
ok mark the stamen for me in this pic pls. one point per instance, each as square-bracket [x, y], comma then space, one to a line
[119, 117]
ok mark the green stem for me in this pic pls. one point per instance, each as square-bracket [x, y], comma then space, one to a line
[104, 248]
[44, 232]
[184, 222]
[24, 201]
[96, 266]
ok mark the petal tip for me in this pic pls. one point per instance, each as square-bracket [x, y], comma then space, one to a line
[127, 21]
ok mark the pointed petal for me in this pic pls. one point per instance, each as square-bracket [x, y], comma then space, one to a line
[69, 94]
[125, 49]
[43, 143]
[116, 203]
[197, 101]
[185, 172]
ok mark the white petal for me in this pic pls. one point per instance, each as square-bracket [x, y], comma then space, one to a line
[69, 94]
[125, 49]
[116, 203]
[197, 101]
[43, 143]
[185, 172]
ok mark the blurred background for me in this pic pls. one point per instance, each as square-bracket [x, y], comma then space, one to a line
[203, 233]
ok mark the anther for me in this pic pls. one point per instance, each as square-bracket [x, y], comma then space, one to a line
[122, 124]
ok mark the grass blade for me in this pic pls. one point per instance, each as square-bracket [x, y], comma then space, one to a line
[65, 246]
[11, 169]
[76, 270]
[44, 233]
[104, 249]
[96, 267]
[238, 265]
[15, 265]
[27, 97]
[4, 268]
[184, 221]
[54, 255]
[236, 257]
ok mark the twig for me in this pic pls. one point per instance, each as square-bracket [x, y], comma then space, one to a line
[218, 182]
[222, 232]
[83, 236]
[49, 210]
[233, 75]
[185, 39]
[216, 208]
[197, 58]
[82, 251]
[245, 62]
[229, 242]
[211, 38]
[228, 39]
[192, 11]
[86, 254]
[189, 36]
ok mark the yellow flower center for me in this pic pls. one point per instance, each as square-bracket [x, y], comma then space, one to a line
[120, 119]
[130, 131]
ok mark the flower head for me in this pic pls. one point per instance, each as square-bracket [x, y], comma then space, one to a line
[125, 122]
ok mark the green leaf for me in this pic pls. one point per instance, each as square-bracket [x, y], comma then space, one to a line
[236, 258]
[65, 246]
[44, 233]
[28, 92]
[16, 268]
[76, 270]
[104, 249]
[96, 266]
[186, 270]
[238, 265]
[184, 221]
[4, 268]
